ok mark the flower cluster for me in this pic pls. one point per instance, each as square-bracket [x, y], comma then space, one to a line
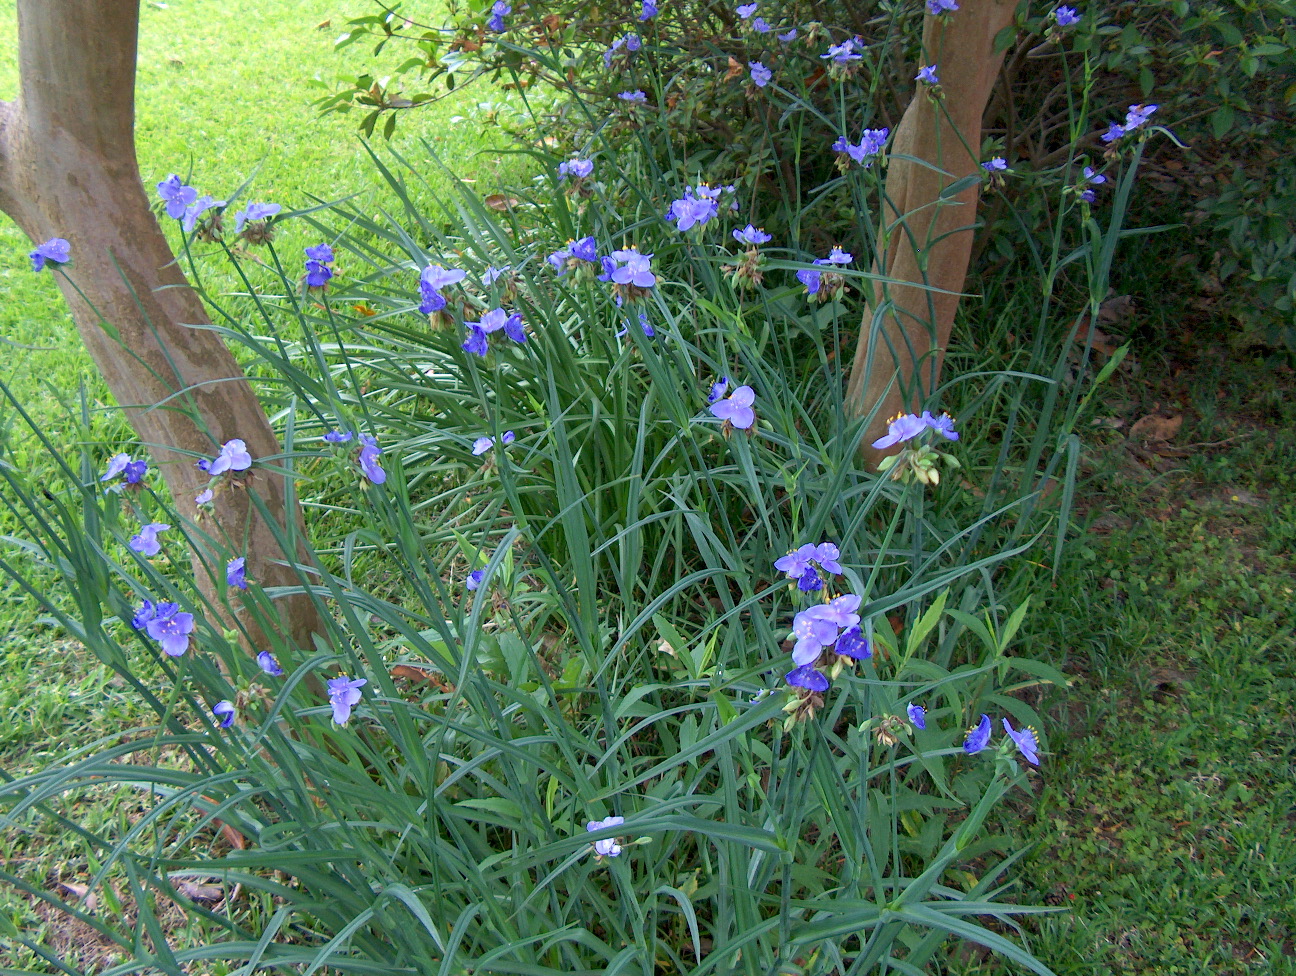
[499, 10]
[130, 471]
[917, 460]
[483, 444]
[318, 259]
[432, 280]
[1135, 119]
[629, 272]
[574, 255]
[869, 148]
[165, 624]
[493, 321]
[802, 565]
[1024, 739]
[698, 205]
[820, 286]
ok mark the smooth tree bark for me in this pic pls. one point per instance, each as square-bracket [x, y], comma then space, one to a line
[68, 169]
[902, 344]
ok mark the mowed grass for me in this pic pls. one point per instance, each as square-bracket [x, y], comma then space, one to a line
[1165, 821]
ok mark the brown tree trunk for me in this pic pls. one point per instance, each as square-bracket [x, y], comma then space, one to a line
[68, 169]
[897, 365]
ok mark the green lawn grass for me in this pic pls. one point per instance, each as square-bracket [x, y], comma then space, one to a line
[1164, 820]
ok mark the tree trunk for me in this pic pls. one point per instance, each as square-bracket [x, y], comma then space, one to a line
[68, 169]
[897, 365]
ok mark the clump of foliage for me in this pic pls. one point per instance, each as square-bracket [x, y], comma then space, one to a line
[626, 662]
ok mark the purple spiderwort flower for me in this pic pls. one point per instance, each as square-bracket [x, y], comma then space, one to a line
[56, 251]
[807, 677]
[853, 644]
[1025, 741]
[978, 737]
[900, 429]
[499, 10]
[577, 169]
[1066, 16]
[1114, 131]
[746, 10]
[789, 37]
[803, 559]
[694, 209]
[344, 694]
[1087, 193]
[938, 7]
[995, 165]
[267, 663]
[317, 274]
[871, 144]
[317, 271]
[204, 496]
[476, 343]
[636, 96]
[368, 460]
[474, 579]
[927, 75]
[224, 713]
[736, 410]
[718, 389]
[483, 444]
[943, 425]
[811, 279]
[197, 209]
[236, 573]
[493, 274]
[813, 632]
[170, 628]
[836, 256]
[648, 11]
[629, 267]
[122, 464]
[844, 53]
[760, 75]
[254, 211]
[146, 612]
[338, 436]
[431, 280]
[146, 542]
[608, 847]
[176, 196]
[917, 716]
[233, 456]
[586, 249]
[760, 26]
[751, 235]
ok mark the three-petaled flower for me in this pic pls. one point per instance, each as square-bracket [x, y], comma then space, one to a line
[131, 471]
[799, 564]
[736, 409]
[56, 251]
[177, 197]
[146, 541]
[233, 456]
[224, 713]
[236, 573]
[368, 459]
[978, 737]
[1025, 741]
[608, 847]
[165, 624]
[344, 694]
[267, 663]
